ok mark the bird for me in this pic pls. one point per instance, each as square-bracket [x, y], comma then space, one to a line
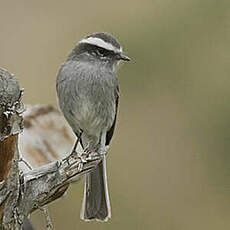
[88, 93]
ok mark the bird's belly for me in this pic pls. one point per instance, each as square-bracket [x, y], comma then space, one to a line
[94, 117]
[88, 101]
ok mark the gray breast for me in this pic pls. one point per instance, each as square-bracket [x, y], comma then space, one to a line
[87, 94]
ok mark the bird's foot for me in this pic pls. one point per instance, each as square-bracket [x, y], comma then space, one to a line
[81, 159]
[89, 154]
[103, 150]
[77, 160]
[73, 154]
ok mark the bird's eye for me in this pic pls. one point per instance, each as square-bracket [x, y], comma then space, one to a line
[101, 52]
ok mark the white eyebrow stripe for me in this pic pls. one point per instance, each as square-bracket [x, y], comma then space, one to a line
[99, 42]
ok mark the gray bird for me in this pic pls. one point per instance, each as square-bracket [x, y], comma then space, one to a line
[88, 92]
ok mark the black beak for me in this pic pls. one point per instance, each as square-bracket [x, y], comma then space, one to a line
[123, 57]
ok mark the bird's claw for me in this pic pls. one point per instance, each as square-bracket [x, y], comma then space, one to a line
[103, 150]
[67, 159]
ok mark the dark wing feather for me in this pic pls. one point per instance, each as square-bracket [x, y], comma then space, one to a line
[109, 134]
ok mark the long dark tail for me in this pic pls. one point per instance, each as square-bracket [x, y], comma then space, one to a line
[96, 205]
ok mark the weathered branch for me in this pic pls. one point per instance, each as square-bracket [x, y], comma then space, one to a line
[22, 192]
[10, 119]
[10, 125]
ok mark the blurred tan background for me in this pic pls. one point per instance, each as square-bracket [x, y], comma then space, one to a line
[169, 163]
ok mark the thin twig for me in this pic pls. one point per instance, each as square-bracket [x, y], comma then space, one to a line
[26, 163]
[49, 224]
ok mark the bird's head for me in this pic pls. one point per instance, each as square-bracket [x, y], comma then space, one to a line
[99, 47]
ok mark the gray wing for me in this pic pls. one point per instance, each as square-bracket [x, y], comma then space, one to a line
[65, 87]
[109, 134]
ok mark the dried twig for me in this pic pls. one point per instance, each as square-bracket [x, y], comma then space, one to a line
[49, 224]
